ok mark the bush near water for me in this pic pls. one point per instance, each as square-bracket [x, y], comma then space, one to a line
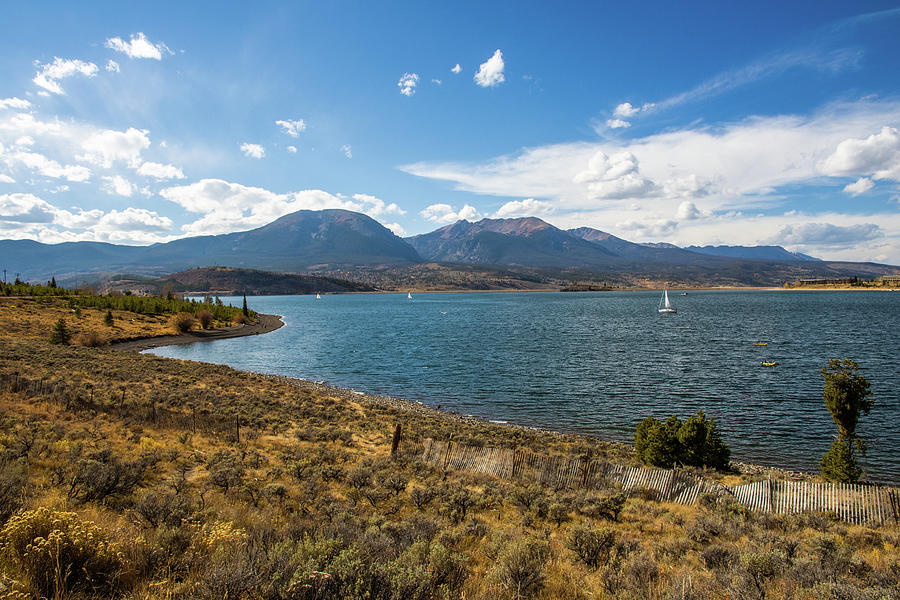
[159, 478]
[695, 442]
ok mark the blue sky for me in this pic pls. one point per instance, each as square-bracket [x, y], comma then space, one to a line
[706, 123]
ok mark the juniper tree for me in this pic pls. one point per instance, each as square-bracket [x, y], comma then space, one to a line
[846, 394]
[60, 334]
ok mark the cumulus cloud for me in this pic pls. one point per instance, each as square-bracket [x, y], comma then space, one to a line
[18, 103]
[292, 128]
[490, 73]
[827, 234]
[228, 206]
[25, 208]
[878, 155]
[408, 83]
[647, 230]
[690, 186]
[444, 213]
[138, 47]
[617, 123]
[253, 150]
[396, 229]
[160, 171]
[688, 211]
[4, 178]
[347, 150]
[525, 208]
[49, 167]
[376, 207]
[456, 70]
[48, 75]
[615, 176]
[626, 110]
[117, 185]
[106, 146]
[112, 66]
[860, 186]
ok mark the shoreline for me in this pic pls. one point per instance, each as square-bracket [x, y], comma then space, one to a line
[265, 324]
[269, 323]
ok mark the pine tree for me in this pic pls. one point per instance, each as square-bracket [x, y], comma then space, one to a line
[245, 309]
[108, 319]
[846, 394]
[60, 335]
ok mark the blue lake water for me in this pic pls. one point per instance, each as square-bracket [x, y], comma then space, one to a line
[597, 363]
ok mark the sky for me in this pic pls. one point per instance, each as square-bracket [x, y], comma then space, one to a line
[689, 123]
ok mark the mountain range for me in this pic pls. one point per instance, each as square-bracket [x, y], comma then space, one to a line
[343, 243]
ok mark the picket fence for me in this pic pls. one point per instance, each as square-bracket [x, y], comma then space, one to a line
[858, 504]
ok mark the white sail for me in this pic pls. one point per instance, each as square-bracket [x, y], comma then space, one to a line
[664, 305]
[318, 297]
[408, 296]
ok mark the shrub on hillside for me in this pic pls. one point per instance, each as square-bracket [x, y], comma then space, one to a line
[520, 568]
[695, 442]
[91, 339]
[205, 318]
[183, 322]
[54, 554]
[240, 319]
[592, 546]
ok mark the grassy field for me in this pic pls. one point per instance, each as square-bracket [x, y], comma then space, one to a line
[132, 476]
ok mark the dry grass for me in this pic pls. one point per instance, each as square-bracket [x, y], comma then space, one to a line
[209, 515]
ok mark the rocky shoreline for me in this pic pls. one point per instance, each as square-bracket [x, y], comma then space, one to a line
[265, 324]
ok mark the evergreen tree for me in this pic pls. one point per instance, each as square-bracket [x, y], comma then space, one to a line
[846, 394]
[108, 319]
[53, 281]
[59, 334]
[245, 310]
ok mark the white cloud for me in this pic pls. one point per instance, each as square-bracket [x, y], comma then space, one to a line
[376, 207]
[138, 47]
[396, 229]
[160, 171]
[649, 230]
[25, 208]
[860, 186]
[292, 128]
[626, 110]
[50, 168]
[26, 141]
[444, 213]
[408, 83]
[456, 69]
[436, 81]
[617, 123]
[18, 103]
[253, 150]
[615, 176]
[116, 184]
[525, 208]
[688, 211]
[112, 66]
[108, 145]
[347, 150]
[49, 74]
[292, 149]
[4, 178]
[490, 73]
[827, 234]
[878, 155]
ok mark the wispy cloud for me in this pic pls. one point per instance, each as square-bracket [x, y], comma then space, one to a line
[138, 47]
[48, 75]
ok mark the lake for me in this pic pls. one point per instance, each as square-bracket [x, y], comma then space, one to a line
[598, 363]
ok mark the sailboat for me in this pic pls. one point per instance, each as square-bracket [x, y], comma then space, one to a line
[318, 297]
[408, 296]
[664, 305]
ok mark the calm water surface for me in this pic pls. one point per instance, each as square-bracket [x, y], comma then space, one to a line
[597, 363]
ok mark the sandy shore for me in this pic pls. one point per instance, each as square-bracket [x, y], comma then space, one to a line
[266, 324]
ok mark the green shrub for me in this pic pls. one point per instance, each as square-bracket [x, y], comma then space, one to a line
[520, 568]
[55, 553]
[592, 546]
[696, 442]
[108, 319]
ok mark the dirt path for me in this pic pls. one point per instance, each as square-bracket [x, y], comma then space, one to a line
[265, 324]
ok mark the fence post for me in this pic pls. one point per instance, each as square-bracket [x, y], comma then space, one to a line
[395, 443]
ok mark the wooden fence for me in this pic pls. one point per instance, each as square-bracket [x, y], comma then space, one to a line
[858, 504]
